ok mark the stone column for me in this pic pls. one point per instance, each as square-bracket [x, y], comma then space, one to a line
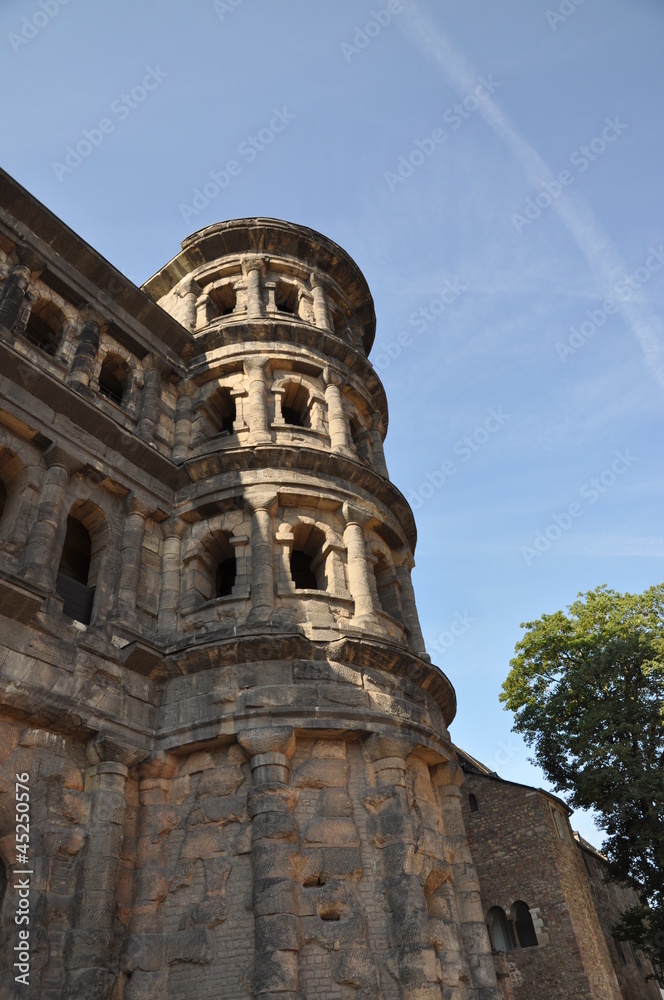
[15, 286]
[131, 553]
[40, 564]
[274, 849]
[169, 596]
[377, 447]
[256, 412]
[359, 581]
[254, 271]
[262, 507]
[321, 307]
[85, 356]
[188, 293]
[144, 957]
[411, 617]
[90, 961]
[336, 418]
[413, 959]
[184, 415]
[150, 398]
[447, 779]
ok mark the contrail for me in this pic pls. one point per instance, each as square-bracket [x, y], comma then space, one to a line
[603, 259]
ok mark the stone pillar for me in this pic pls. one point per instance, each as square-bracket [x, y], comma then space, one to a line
[150, 398]
[274, 850]
[254, 271]
[15, 286]
[188, 293]
[447, 779]
[184, 415]
[169, 596]
[321, 307]
[377, 447]
[89, 958]
[336, 418]
[256, 412]
[131, 553]
[413, 959]
[262, 507]
[40, 563]
[409, 607]
[85, 356]
[144, 957]
[359, 581]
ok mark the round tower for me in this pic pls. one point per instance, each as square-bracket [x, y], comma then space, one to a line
[293, 641]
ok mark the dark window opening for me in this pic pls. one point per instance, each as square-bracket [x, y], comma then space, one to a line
[73, 573]
[523, 922]
[224, 299]
[472, 802]
[285, 298]
[295, 404]
[113, 379]
[303, 575]
[225, 577]
[222, 410]
[500, 930]
[42, 334]
[3, 497]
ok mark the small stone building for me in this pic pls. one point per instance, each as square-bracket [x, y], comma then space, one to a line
[225, 766]
[548, 908]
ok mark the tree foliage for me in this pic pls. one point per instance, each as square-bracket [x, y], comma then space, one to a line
[587, 690]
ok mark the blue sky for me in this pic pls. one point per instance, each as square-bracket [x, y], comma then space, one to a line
[514, 246]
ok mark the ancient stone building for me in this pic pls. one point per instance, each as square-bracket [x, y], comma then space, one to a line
[213, 679]
[216, 708]
[548, 908]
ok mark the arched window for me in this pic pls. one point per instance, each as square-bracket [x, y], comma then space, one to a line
[472, 802]
[44, 326]
[223, 298]
[500, 930]
[523, 922]
[74, 572]
[295, 405]
[114, 378]
[307, 563]
[285, 297]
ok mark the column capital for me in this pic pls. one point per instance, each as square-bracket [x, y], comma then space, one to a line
[108, 748]
[332, 377]
[316, 280]
[258, 263]
[256, 363]
[355, 515]
[29, 257]
[280, 740]
[158, 764]
[186, 388]
[174, 528]
[134, 504]
[57, 456]
[389, 745]
[403, 559]
[261, 501]
[155, 363]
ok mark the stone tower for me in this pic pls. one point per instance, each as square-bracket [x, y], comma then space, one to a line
[242, 782]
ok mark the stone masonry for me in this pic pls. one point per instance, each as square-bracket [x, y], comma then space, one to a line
[212, 671]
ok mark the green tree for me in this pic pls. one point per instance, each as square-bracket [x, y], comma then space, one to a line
[587, 690]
